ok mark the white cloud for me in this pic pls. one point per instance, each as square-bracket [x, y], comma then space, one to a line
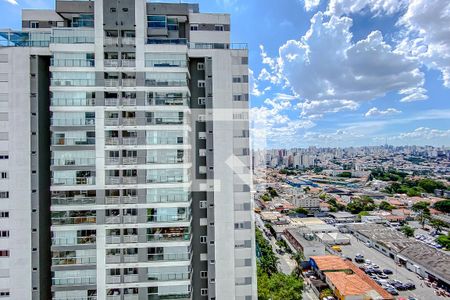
[377, 112]
[311, 4]
[346, 7]
[425, 133]
[317, 108]
[338, 137]
[326, 66]
[253, 84]
[428, 34]
[13, 2]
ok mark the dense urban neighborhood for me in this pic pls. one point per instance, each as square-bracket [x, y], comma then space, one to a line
[355, 223]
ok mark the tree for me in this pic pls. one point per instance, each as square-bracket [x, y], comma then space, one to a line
[438, 225]
[408, 230]
[423, 211]
[345, 174]
[384, 205]
[358, 205]
[325, 293]
[298, 257]
[273, 192]
[429, 185]
[301, 210]
[266, 197]
[279, 286]
[268, 261]
[444, 241]
[362, 214]
[443, 206]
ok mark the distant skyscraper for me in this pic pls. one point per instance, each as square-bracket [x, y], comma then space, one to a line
[125, 155]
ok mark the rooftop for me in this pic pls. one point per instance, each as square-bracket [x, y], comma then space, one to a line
[330, 263]
[348, 284]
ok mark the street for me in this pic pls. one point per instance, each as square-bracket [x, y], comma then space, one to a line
[421, 292]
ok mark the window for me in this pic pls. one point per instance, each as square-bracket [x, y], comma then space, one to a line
[4, 253]
[237, 97]
[194, 27]
[156, 22]
[204, 292]
[4, 195]
[112, 10]
[202, 204]
[201, 100]
[4, 214]
[203, 274]
[4, 156]
[34, 24]
[125, 9]
[4, 233]
[211, 242]
[237, 79]
[172, 24]
[218, 27]
[203, 239]
[4, 293]
[201, 84]
[200, 66]
[4, 175]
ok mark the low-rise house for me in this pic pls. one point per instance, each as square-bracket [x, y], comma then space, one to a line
[304, 242]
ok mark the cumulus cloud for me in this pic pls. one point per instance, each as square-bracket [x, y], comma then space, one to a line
[428, 34]
[377, 112]
[338, 137]
[346, 7]
[326, 66]
[318, 108]
[13, 2]
[311, 4]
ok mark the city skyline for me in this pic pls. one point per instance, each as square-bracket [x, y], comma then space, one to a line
[390, 82]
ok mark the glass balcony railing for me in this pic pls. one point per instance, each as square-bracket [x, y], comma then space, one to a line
[72, 102]
[85, 280]
[73, 200]
[154, 41]
[161, 82]
[73, 141]
[74, 220]
[168, 237]
[166, 63]
[121, 219]
[74, 181]
[168, 277]
[72, 62]
[81, 240]
[72, 122]
[121, 180]
[170, 296]
[73, 162]
[121, 199]
[87, 260]
[165, 160]
[72, 40]
[168, 198]
[169, 257]
[165, 141]
[168, 218]
[72, 82]
[168, 101]
[167, 179]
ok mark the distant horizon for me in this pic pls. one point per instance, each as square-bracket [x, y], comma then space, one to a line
[348, 147]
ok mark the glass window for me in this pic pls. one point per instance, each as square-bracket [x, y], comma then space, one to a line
[156, 21]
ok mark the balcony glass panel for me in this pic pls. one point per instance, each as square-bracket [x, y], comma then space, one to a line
[167, 195]
[165, 79]
[73, 79]
[167, 175]
[168, 214]
[73, 217]
[72, 118]
[73, 138]
[172, 137]
[73, 158]
[165, 60]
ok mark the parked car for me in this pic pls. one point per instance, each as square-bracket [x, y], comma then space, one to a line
[383, 276]
[387, 271]
[392, 291]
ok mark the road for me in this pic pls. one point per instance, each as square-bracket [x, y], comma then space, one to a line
[421, 292]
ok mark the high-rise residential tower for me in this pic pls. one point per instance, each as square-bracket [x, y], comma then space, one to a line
[124, 155]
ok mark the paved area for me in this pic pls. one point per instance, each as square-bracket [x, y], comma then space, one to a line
[421, 292]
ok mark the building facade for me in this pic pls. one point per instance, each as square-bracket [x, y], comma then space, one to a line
[127, 126]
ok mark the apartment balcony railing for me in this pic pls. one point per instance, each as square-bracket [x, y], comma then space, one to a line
[130, 219]
[167, 179]
[131, 297]
[168, 101]
[165, 141]
[169, 297]
[168, 198]
[128, 63]
[72, 141]
[73, 200]
[233, 46]
[166, 63]
[111, 279]
[130, 239]
[117, 239]
[130, 258]
[112, 160]
[112, 141]
[114, 297]
[74, 220]
[72, 102]
[169, 218]
[129, 141]
[129, 101]
[155, 82]
[77, 298]
[111, 82]
[130, 278]
[113, 220]
[85, 280]
[167, 41]
[108, 40]
[129, 121]
[165, 160]
[74, 181]
[112, 121]
[87, 260]
[72, 82]
[168, 277]
[129, 82]
[168, 237]
[128, 41]
[72, 40]
[113, 239]
[129, 160]
[72, 62]
[73, 162]
[165, 121]
[113, 63]
[169, 257]
[112, 101]
[81, 240]
[73, 122]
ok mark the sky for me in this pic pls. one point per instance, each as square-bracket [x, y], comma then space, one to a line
[336, 73]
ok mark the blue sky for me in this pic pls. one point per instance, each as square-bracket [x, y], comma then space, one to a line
[337, 72]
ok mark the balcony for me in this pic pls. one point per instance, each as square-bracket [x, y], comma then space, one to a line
[72, 62]
[128, 63]
[166, 179]
[87, 260]
[130, 160]
[130, 278]
[130, 259]
[110, 41]
[73, 162]
[128, 41]
[112, 160]
[162, 83]
[81, 240]
[154, 41]
[166, 63]
[129, 141]
[72, 141]
[129, 121]
[129, 101]
[110, 279]
[165, 160]
[72, 102]
[130, 219]
[130, 297]
[112, 121]
[168, 198]
[111, 82]
[72, 40]
[74, 220]
[72, 82]
[132, 238]
[129, 82]
[112, 101]
[164, 121]
[169, 237]
[112, 63]
[73, 122]
[86, 280]
[113, 239]
[168, 277]
[73, 200]
[113, 220]
[112, 199]
[165, 141]
[168, 219]
[74, 181]
[169, 297]
[168, 102]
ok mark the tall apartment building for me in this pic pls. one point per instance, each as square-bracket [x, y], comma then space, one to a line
[124, 155]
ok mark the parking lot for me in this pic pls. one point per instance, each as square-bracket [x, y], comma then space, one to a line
[421, 292]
